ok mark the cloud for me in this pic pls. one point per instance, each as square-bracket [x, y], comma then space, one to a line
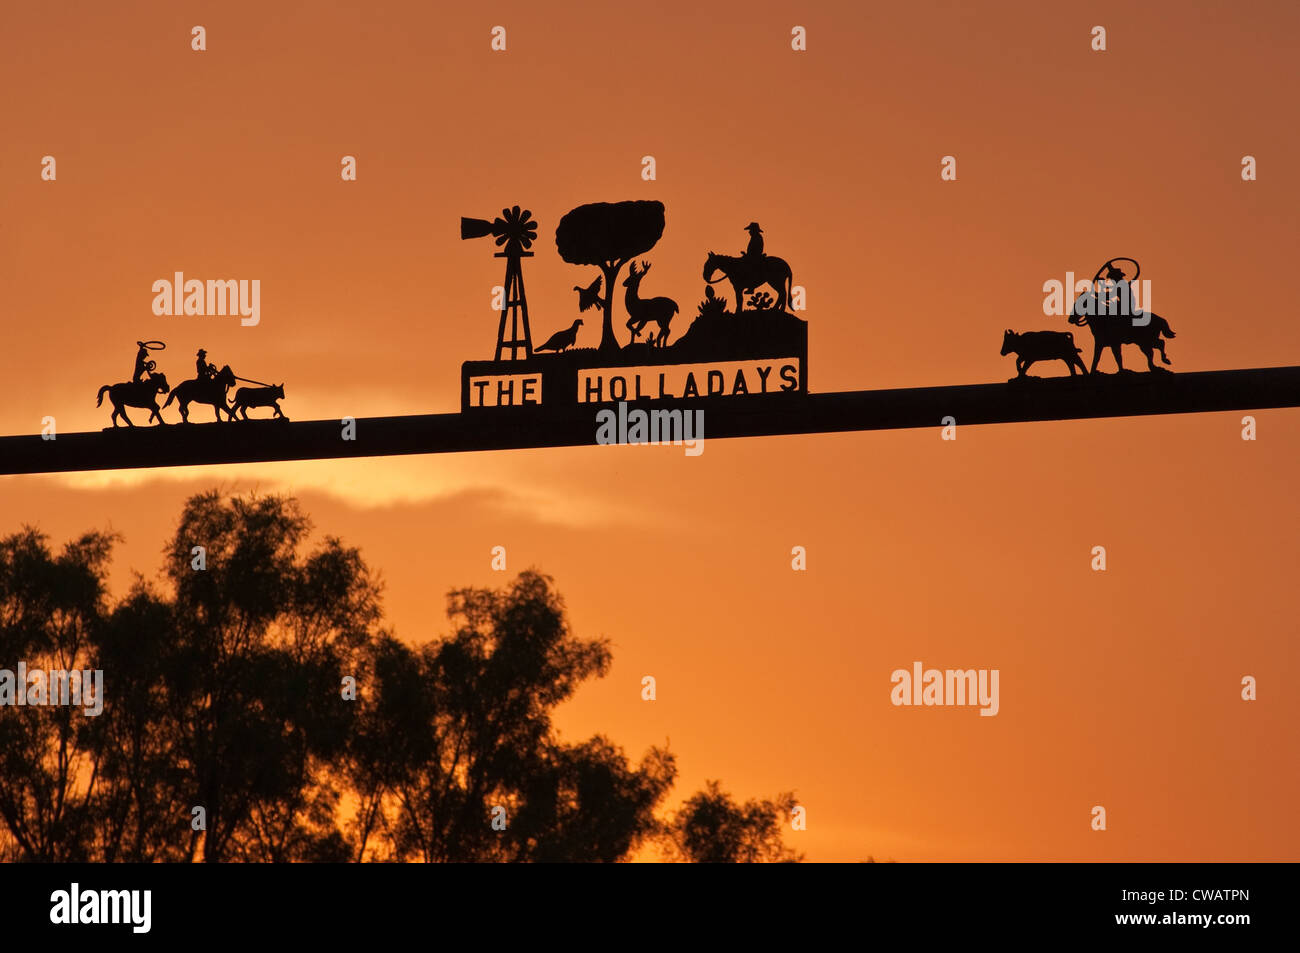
[508, 483]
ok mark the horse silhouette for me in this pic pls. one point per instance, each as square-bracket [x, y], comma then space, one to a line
[1113, 330]
[747, 276]
[143, 394]
[199, 391]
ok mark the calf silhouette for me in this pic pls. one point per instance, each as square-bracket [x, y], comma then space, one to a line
[247, 397]
[1032, 346]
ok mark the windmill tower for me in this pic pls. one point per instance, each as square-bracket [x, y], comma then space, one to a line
[516, 230]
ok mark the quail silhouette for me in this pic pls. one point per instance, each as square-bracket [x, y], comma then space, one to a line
[561, 340]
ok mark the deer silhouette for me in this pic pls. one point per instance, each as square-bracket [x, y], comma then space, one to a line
[641, 311]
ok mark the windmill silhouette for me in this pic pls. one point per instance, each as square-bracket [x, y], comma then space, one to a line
[516, 230]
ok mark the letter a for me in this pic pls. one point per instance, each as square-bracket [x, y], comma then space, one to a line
[800, 561]
[1054, 303]
[198, 819]
[200, 41]
[349, 172]
[349, 428]
[47, 168]
[59, 912]
[200, 560]
[901, 694]
[1248, 688]
[1099, 39]
[48, 431]
[499, 38]
[1248, 168]
[648, 168]
[648, 685]
[349, 689]
[1099, 559]
[1098, 818]
[799, 40]
[1248, 427]
[498, 818]
[798, 818]
[949, 431]
[948, 168]
[498, 558]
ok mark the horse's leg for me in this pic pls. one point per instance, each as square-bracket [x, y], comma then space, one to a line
[1096, 353]
[126, 418]
[184, 405]
[1119, 361]
[740, 297]
[1150, 354]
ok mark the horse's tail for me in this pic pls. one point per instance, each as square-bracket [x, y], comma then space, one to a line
[99, 401]
[172, 396]
[1162, 327]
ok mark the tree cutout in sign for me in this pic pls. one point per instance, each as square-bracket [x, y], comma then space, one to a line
[609, 235]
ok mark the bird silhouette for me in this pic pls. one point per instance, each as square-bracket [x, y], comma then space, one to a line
[561, 339]
[589, 296]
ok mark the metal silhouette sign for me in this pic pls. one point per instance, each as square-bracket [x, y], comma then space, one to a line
[624, 336]
[1111, 310]
[720, 351]
[209, 385]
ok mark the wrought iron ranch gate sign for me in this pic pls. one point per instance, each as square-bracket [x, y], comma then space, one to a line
[738, 352]
[742, 355]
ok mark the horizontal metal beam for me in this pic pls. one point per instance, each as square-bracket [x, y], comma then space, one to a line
[517, 428]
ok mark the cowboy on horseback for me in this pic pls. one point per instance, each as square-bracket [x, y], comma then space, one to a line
[144, 367]
[205, 370]
[1115, 294]
[750, 270]
[754, 251]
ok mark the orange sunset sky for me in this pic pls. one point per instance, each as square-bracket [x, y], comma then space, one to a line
[1119, 688]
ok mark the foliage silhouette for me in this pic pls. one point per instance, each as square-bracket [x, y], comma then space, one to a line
[710, 827]
[222, 689]
[462, 726]
[609, 235]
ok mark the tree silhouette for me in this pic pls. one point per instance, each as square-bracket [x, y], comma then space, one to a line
[50, 609]
[712, 828]
[608, 235]
[223, 690]
[461, 728]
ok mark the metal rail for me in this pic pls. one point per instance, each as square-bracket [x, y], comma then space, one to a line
[519, 428]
